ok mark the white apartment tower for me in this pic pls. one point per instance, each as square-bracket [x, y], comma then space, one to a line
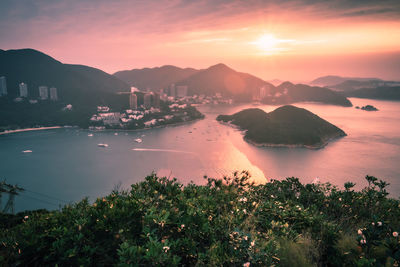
[53, 94]
[43, 92]
[23, 90]
[3, 86]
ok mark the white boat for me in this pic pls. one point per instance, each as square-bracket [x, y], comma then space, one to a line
[115, 133]
[138, 140]
[103, 145]
[27, 151]
[90, 135]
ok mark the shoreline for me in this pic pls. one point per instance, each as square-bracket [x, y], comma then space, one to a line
[29, 130]
[105, 130]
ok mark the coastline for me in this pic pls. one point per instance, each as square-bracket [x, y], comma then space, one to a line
[29, 129]
[117, 129]
[323, 144]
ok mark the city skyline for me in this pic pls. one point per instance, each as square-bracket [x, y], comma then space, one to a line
[288, 40]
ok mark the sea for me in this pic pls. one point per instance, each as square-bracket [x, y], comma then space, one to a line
[67, 165]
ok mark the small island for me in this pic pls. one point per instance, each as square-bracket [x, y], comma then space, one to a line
[369, 108]
[287, 126]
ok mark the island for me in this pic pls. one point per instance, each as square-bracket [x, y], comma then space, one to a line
[287, 126]
[369, 108]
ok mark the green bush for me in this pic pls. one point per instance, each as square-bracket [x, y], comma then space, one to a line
[160, 222]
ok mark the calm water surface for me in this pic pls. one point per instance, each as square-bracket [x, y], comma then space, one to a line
[67, 165]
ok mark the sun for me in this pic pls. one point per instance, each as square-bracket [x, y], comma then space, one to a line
[267, 42]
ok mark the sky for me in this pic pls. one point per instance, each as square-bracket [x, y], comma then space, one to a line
[296, 40]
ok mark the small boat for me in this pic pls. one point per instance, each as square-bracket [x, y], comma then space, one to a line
[103, 145]
[27, 151]
[115, 133]
[90, 135]
[138, 140]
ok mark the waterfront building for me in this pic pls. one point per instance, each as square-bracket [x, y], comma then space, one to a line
[43, 92]
[53, 94]
[23, 90]
[3, 86]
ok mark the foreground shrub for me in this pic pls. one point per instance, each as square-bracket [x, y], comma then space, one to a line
[160, 222]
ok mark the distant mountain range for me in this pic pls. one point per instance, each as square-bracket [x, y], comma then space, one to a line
[371, 88]
[331, 80]
[222, 79]
[154, 78]
[75, 83]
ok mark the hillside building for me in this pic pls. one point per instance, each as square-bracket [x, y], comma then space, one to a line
[147, 101]
[43, 92]
[53, 94]
[3, 86]
[181, 91]
[23, 90]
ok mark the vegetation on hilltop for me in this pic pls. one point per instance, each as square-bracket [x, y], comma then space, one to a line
[160, 222]
[287, 125]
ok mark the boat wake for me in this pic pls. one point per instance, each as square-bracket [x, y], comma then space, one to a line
[162, 150]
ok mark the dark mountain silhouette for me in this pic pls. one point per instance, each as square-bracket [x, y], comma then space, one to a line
[154, 78]
[75, 83]
[333, 80]
[285, 126]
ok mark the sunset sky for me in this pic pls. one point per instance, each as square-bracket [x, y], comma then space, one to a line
[290, 40]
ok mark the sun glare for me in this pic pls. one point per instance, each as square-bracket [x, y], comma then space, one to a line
[267, 42]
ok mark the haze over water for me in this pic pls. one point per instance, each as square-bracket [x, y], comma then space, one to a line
[67, 165]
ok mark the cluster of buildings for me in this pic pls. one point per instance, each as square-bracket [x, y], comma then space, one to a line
[45, 92]
[145, 100]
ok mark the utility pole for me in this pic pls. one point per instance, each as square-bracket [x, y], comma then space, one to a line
[12, 191]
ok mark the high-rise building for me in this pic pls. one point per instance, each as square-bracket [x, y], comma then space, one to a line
[43, 92]
[172, 91]
[53, 94]
[23, 90]
[181, 90]
[156, 100]
[3, 86]
[147, 101]
[133, 101]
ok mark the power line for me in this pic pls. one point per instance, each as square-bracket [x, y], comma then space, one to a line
[41, 200]
[47, 196]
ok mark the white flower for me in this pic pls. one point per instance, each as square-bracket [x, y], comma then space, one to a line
[395, 234]
[247, 264]
[166, 248]
[359, 231]
[363, 241]
[253, 243]
[379, 223]
[373, 224]
[26, 217]
[340, 199]
[182, 226]
[243, 199]
[245, 237]
[244, 211]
